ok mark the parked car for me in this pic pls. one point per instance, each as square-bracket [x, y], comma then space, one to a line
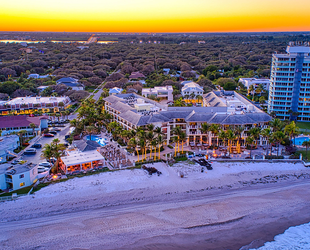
[45, 164]
[16, 162]
[56, 129]
[53, 132]
[48, 135]
[36, 145]
[30, 151]
[25, 144]
[42, 169]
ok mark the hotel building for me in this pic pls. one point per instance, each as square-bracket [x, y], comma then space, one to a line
[27, 105]
[289, 90]
[226, 108]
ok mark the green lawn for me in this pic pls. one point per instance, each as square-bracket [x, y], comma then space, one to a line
[19, 191]
[305, 157]
[303, 125]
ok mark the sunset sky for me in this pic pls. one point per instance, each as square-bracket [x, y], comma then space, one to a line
[155, 15]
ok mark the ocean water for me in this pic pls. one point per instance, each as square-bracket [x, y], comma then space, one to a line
[293, 238]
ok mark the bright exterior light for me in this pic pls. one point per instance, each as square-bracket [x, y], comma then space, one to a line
[55, 177]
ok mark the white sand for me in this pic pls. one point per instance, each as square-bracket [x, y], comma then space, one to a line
[171, 202]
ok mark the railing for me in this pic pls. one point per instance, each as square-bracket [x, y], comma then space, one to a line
[8, 180]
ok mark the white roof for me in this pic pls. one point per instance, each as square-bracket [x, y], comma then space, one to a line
[36, 100]
[192, 86]
[115, 90]
[77, 157]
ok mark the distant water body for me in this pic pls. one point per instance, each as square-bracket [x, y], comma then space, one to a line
[293, 238]
[53, 41]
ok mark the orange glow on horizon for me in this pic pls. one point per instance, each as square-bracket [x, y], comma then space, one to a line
[155, 16]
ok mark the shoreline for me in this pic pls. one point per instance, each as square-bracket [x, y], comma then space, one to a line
[202, 211]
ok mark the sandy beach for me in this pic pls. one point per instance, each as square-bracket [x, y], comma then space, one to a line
[231, 206]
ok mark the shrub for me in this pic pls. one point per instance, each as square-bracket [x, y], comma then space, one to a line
[270, 157]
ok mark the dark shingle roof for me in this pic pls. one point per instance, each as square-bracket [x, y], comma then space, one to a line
[86, 145]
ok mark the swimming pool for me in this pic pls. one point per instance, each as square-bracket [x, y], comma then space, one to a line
[300, 140]
[98, 139]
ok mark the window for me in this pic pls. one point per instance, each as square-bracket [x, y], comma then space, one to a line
[21, 176]
[22, 184]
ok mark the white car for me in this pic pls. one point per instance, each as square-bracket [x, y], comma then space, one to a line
[45, 164]
[42, 169]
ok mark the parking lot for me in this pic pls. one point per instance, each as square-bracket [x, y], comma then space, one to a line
[46, 140]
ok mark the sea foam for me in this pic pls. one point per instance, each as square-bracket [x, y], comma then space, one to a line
[293, 238]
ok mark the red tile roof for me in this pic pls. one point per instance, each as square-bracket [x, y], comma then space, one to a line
[18, 121]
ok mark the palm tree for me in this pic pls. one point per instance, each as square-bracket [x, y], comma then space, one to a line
[61, 105]
[250, 140]
[238, 132]
[252, 91]
[182, 139]
[153, 144]
[291, 130]
[175, 139]
[276, 124]
[255, 132]
[151, 139]
[279, 137]
[33, 126]
[230, 137]
[204, 129]
[150, 127]
[260, 89]
[21, 134]
[56, 141]
[134, 144]
[266, 133]
[124, 134]
[215, 128]
[177, 132]
[222, 136]
[67, 113]
[90, 130]
[306, 143]
[142, 145]
[47, 152]
[200, 98]
[160, 142]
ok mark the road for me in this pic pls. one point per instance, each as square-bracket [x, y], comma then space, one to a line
[194, 220]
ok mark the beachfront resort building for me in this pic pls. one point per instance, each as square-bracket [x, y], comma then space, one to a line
[289, 91]
[226, 108]
[13, 177]
[159, 92]
[247, 82]
[76, 161]
[191, 89]
[28, 105]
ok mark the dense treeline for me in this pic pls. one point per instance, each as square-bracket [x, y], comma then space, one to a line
[227, 56]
